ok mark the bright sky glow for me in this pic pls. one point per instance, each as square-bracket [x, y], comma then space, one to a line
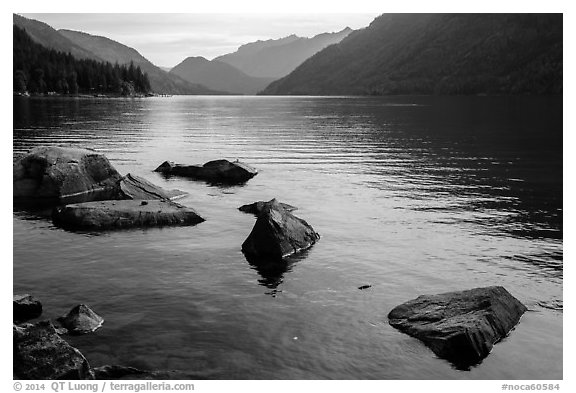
[167, 39]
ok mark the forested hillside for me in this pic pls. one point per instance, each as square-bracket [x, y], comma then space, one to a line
[437, 54]
[39, 70]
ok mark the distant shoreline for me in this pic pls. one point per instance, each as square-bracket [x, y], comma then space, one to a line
[96, 95]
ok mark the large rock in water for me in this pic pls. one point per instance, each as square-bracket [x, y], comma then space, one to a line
[40, 353]
[215, 171]
[124, 214]
[25, 307]
[277, 233]
[461, 326]
[81, 319]
[62, 172]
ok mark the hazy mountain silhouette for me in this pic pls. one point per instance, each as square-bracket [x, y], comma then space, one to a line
[219, 76]
[112, 51]
[438, 54]
[277, 58]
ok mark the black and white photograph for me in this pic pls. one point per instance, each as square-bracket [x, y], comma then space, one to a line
[286, 196]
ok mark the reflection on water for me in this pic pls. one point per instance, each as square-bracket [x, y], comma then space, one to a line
[412, 195]
[272, 271]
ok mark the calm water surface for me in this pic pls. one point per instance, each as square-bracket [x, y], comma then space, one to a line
[412, 195]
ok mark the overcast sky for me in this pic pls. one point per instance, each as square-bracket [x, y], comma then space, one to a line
[167, 39]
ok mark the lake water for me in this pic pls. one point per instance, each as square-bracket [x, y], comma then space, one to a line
[411, 195]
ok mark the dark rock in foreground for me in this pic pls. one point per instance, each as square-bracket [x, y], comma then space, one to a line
[277, 233]
[81, 319]
[25, 307]
[39, 353]
[215, 171]
[61, 172]
[134, 187]
[124, 214]
[257, 207]
[461, 326]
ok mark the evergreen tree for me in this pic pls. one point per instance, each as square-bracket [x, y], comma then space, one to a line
[40, 70]
[19, 81]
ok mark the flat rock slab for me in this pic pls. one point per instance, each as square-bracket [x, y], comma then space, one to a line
[257, 207]
[51, 172]
[40, 353]
[277, 233]
[134, 187]
[124, 214]
[25, 307]
[223, 171]
[80, 320]
[461, 327]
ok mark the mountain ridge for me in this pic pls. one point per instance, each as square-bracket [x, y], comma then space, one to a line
[114, 51]
[218, 75]
[277, 58]
[437, 54]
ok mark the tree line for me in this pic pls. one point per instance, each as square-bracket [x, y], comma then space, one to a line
[39, 70]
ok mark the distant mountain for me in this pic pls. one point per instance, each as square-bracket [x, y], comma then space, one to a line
[277, 58]
[112, 51]
[219, 76]
[49, 38]
[438, 54]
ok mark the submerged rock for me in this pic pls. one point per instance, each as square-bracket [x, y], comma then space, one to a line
[39, 353]
[461, 326]
[215, 171]
[81, 319]
[277, 233]
[62, 172]
[124, 214]
[117, 372]
[134, 187]
[257, 207]
[132, 373]
[25, 307]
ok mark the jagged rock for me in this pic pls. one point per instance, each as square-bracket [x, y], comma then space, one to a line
[81, 319]
[62, 172]
[215, 171]
[25, 307]
[124, 214]
[257, 207]
[277, 233]
[134, 187]
[39, 353]
[461, 326]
